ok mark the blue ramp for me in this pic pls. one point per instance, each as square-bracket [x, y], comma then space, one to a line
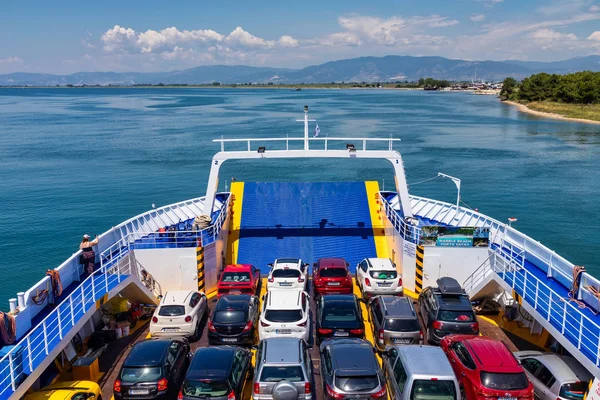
[305, 220]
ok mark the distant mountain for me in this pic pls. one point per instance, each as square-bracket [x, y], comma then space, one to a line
[367, 69]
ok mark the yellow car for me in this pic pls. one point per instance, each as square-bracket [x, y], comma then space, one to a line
[73, 390]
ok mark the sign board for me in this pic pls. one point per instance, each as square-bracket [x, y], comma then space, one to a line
[594, 392]
[410, 249]
[453, 236]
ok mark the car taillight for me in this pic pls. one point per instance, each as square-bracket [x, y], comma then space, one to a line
[162, 384]
[117, 386]
[188, 319]
[303, 323]
[307, 388]
[356, 331]
[367, 282]
[437, 325]
[318, 281]
[211, 327]
[380, 334]
[333, 393]
[271, 279]
[379, 395]
[400, 282]
[248, 326]
[256, 388]
[300, 279]
[420, 336]
[475, 326]
[231, 395]
[325, 331]
[180, 395]
[264, 324]
[154, 319]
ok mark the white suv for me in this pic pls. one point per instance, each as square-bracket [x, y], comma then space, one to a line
[179, 313]
[285, 313]
[287, 273]
[376, 276]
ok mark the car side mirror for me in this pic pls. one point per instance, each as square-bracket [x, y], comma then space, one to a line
[270, 265]
[347, 264]
[394, 264]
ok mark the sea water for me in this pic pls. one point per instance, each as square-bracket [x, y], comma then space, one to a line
[81, 160]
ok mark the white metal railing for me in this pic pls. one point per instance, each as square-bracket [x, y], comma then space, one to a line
[325, 140]
[408, 231]
[478, 276]
[584, 334]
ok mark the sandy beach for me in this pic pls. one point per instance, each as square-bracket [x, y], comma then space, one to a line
[525, 109]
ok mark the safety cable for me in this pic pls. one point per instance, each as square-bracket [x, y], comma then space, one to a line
[426, 180]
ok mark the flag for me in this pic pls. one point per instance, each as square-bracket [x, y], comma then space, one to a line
[317, 131]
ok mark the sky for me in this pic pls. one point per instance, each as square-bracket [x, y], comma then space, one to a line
[63, 37]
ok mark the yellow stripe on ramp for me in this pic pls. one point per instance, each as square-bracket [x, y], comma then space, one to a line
[377, 215]
[237, 190]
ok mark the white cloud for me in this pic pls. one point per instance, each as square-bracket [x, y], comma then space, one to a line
[443, 23]
[489, 3]
[241, 37]
[477, 17]
[11, 60]
[87, 57]
[118, 39]
[594, 9]
[594, 36]
[288, 41]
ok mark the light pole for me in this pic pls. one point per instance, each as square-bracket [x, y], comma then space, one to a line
[511, 220]
[457, 183]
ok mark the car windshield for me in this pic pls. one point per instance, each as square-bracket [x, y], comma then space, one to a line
[332, 272]
[383, 274]
[235, 277]
[433, 390]
[291, 373]
[456, 316]
[286, 273]
[140, 374]
[229, 317]
[204, 388]
[573, 390]
[360, 383]
[501, 381]
[339, 317]
[402, 325]
[171, 311]
[283, 315]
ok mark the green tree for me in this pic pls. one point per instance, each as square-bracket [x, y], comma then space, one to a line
[509, 85]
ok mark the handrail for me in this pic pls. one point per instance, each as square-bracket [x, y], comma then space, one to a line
[478, 275]
[408, 231]
[325, 139]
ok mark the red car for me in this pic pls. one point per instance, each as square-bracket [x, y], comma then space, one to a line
[238, 279]
[486, 368]
[331, 275]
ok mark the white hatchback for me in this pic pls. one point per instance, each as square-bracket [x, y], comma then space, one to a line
[285, 313]
[179, 313]
[378, 276]
[287, 273]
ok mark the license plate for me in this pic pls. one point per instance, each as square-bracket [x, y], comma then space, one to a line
[285, 283]
[507, 398]
[139, 391]
[341, 334]
[384, 284]
[401, 341]
[229, 339]
[333, 283]
[235, 292]
[170, 329]
[283, 331]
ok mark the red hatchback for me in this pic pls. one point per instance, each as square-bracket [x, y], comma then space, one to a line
[331, 275]
[238, 279]
[486, 368]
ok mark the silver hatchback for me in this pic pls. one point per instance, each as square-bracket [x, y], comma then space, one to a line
[394, 321]
[283, 370]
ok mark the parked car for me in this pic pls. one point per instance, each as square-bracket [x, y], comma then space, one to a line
[283, 370]
[285, 313]
[287, 273]
[378, 276]
[153, 369]
[339, 315]
[331, 275]
[394, 321]
[445, 310]
[238, 279]
[234, 320]
[486, 368]
[553, 376]
[71, 390]
[350, 370]
[179, 313]
[217, 373]
[419, 372]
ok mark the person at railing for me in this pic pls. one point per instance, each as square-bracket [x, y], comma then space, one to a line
[88, 255]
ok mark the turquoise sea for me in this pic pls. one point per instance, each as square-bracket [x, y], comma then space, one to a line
[76, 161]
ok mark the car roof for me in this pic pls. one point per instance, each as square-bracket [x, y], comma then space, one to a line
[398, 307]
[284, 299]
[339, 299]
[233, 302]
[564, 368]
[237, 267]
[425, 360]
[282, 350]
[147, 352]
[381, 263]
[454, 302]
[211, 363]
[177, 297]
[489, 354]
[331, 262]
[352, 356]
[290, 261]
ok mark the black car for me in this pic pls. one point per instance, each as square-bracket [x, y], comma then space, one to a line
[350, 370]
[153, 369]
[234, 320]
[339, 315]
[217, 373]
[446, 310]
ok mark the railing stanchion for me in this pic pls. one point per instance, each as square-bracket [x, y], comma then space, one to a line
[12, 372]
[82, 300]
[537, 289]
[549, 304]
[93, 286]
[580, 331]
[29, 353]
[60, 335]
[564, 319]
[45, 336]
[71, 309]
[105, 274]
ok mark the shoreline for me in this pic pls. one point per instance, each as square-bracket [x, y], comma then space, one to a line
[524, 109]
